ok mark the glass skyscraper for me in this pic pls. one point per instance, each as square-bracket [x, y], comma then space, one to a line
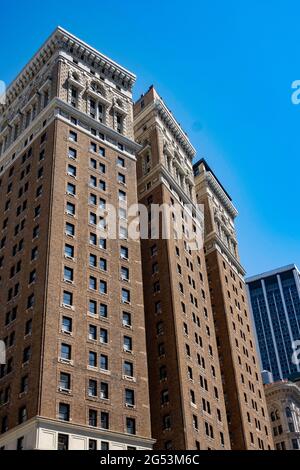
[275, 303]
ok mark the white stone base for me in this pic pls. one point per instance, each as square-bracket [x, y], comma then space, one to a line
[42, 434]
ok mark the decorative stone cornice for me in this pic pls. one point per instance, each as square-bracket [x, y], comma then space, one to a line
[174, 127]
[62, 40]
[220, 193]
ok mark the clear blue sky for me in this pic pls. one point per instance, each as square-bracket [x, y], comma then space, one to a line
[225, 70]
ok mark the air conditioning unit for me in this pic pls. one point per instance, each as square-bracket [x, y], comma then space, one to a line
[66, 332]
[129, 405]
[67, 306]
[128, 377]
[65, 361]
[124, 278]
[127, 326]
[127, 350]
[69, 235]
[64, 390]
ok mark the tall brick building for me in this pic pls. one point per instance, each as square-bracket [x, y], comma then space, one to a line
[186, 396]
[71, 306]
[243, 389]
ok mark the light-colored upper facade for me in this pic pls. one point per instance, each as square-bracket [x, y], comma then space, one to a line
[274, 297]
[67, 73]
[71, 305]
[283, 401]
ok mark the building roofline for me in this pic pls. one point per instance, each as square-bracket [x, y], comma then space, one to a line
[62, 33]
[168, 117]
[272, 272]
[208, 168]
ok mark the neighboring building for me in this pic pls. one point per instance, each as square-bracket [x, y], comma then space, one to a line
[283, 401]
[71, 305]
[275, 302]
[244, 395]
[186, 396]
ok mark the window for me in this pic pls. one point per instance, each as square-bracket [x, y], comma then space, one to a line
[102, 185]
[129, 397]
[93, 181]
[92, 418]
[72, 153]
[66, 324]
[70, 208]
[102, 243]
[70, 229]
[92, 390]
[92, 359]
[24, 384]
[68, 274]
[124, 252]
[20, 443]
[92, 283]
[73, 136]
[63, 442]
[121, 178]
[69, 251]
[65, 381]
[71, 189]
[64, 412]
[104, 445]
[127, 343]
[128, 368]
[121, 162]
[124, 273]
[104, 391]
[122, 195]
[125, 296]
[93, 238]
[65, 351]
[104, 420]
[102, 151]
[162, 373]
[93, 163]
[93, 218]
[26, 354]
[72, 170]
[92, 444]
[92, 332]
[68, 298]
[103, 287]
[104, 362]
[130, 426]
[166, 423]
[103, 310]
[126, 319]
[195, 422]
[22, 415]
[164, 397]
[93, 147]
[103, 264]
[103, 336]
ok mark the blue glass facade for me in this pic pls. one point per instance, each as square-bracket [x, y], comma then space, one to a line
[275, 304]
